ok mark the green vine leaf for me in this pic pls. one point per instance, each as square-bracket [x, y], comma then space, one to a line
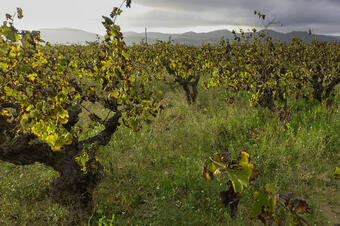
[337, 173]
[264, 202]
[241, 172]
[10, 34]
[238, 173]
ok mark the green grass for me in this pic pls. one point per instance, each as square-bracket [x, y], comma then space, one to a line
[153, 177]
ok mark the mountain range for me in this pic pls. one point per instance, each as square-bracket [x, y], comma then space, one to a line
[75, 36]
[68, 36]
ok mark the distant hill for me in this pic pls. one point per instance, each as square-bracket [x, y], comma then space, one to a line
[194, 38]
[75, 36]
[287, 37]
[68, 36]
[191, 38]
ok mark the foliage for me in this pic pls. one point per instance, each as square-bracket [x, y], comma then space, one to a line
[44, 90]
[181, 62]
[274, 72]
[267, 206]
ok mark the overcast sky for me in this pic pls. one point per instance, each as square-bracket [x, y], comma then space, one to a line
[178, 16]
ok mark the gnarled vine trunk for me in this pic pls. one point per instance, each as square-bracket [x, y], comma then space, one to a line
[192, 81]
[74, 186]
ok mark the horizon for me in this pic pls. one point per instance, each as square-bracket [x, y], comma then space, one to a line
[179, 33]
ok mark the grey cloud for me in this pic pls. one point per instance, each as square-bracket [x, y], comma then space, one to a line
[292, 13]
[201, 5]
[166, 18]
[316, 13]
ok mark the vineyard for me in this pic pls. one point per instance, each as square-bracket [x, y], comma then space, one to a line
[242, 132]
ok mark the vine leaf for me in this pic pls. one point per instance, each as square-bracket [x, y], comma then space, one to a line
[241, 172]
[264, 203]
[268, 206]
[108, 21]
[8, 16]
[213, 165]
[298, 206]
[10, 34]
[62, 114]
[238, 173]
[337, 173]
[19, 11]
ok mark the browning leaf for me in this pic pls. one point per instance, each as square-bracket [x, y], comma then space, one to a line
[238, 172]
[209, 176]
[214, 164]
[298, 206]
[8, 16]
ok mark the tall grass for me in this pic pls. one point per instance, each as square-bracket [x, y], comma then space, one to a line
[153, 177]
